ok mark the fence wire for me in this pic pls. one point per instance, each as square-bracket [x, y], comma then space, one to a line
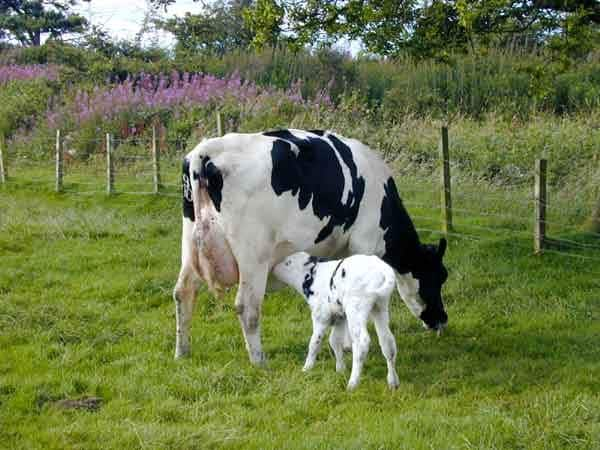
[479, 213]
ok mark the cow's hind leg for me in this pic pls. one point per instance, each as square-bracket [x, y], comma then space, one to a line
[184, 295]
[248, 302]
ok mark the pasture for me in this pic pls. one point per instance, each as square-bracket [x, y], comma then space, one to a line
[86, 311]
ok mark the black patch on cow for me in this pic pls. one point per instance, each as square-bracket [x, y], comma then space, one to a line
[188, 205]
[400, 237]
[281, 134]
[315, 174]
[405, 253]
[309, 277]
[343, 273]
[334, 272]
[211, 177]
[317, 132]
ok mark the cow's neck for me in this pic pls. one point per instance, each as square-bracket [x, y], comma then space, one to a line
[402, 245]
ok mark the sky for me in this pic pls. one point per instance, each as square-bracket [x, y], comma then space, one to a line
[123, 18]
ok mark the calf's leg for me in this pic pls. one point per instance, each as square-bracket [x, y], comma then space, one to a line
[336, 342]
[357, 324]
[387, 342]
[314, 346]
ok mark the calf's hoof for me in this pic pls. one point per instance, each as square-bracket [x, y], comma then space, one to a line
[352, 385]
[307, 367]
[393, 381]
[339, 368]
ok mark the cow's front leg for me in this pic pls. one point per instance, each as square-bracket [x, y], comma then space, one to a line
[248, 302]
[184, 295]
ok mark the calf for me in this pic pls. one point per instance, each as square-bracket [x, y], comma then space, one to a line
[345, 294]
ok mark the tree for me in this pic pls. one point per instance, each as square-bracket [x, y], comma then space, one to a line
[427, 28]
[565, 25]
[100, 41]
[382, 25]
[219, 29]
[162, 3]
[437, 31]
[26, 20]
[264, 20]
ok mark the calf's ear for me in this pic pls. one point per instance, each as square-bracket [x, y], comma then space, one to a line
[442, 248]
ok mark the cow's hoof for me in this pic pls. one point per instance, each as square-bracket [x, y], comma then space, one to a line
[352, 385]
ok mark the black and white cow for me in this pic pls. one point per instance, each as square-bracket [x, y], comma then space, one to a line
[250, 200]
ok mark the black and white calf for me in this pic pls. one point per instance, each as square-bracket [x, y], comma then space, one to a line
[345, 294]
[250, 200]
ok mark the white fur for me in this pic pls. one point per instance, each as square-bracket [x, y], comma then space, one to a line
[345, 294]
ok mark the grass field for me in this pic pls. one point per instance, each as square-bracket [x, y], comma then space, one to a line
[86, 311]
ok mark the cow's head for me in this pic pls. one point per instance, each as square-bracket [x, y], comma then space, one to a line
[421, 289]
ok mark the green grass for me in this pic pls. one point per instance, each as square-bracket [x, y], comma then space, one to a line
[86, 310]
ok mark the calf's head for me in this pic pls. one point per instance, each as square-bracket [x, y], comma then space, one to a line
[298, 271]
[421, 289]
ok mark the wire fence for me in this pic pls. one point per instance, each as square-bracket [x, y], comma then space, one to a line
[444, 206]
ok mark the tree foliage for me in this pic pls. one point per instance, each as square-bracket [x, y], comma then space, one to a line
[265, 20]
[219, 29]
[26, 20]
[436, 27]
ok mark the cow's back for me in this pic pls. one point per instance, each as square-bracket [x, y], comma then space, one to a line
[300, 190]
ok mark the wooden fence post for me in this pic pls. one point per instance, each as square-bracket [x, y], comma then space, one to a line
[3, 172]
[155, 162]
[446, 186]
[219, 124]
[539, 232]
[59, 163]
[110, 176]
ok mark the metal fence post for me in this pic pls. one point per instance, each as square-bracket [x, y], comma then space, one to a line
[446, 186]
[155, 162]
[59, 163]
[539, 232]
[110, 176]
[3, 172]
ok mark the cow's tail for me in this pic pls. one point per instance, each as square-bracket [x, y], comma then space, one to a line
[187, 195]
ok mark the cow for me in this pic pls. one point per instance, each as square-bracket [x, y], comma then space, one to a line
[250, 200]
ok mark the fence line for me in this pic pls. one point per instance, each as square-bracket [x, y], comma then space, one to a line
[159, 166]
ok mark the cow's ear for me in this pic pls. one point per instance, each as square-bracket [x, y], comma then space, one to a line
[442, 248]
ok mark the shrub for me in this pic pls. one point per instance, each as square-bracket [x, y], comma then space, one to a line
[21, 101]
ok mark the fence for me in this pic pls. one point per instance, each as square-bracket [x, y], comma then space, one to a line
[466, 211]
